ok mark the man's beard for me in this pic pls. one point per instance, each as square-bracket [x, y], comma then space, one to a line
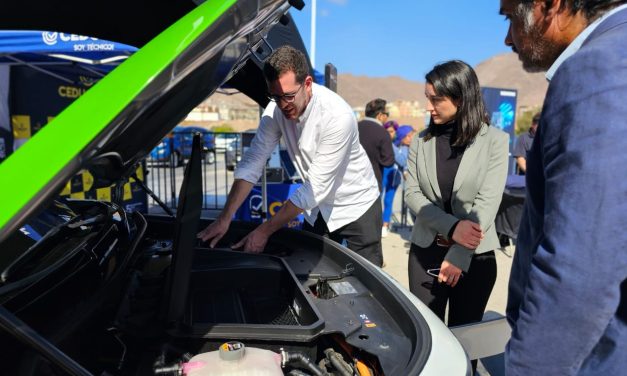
[539, 54]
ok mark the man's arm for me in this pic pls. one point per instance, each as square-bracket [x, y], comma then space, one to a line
[246, 175]
[256, 241]
[216, 230]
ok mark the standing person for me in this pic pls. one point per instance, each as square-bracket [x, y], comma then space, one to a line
[339, 194]
[567, 300]
[523, 145]
[394, 175]
[457, 169]
[374, 138]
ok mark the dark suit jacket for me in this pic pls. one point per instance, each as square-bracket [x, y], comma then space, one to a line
[568, 286]
[378, 145]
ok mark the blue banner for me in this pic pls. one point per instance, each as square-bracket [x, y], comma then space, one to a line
[501, 106]
[250, 210]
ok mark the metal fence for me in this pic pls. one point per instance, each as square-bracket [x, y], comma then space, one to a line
[166, 166]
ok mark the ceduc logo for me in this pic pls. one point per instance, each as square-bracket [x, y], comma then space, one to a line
[49, 38]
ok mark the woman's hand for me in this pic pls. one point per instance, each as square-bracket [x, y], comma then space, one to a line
[449, 274]
[467, 234]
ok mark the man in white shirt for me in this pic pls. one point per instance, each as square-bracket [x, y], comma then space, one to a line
[339, 195]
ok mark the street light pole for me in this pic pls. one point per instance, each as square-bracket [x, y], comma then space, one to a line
[312, 45]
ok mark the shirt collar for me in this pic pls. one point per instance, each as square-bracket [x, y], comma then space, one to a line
[372, 119]
[575, 45]
[302, 118]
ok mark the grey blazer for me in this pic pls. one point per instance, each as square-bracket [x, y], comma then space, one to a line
[477, 191]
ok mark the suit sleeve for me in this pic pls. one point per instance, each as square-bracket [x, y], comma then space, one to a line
[428, 212]
[573, 287]
[488, 199]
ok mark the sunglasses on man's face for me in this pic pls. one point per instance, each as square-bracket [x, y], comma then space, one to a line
[287, 98]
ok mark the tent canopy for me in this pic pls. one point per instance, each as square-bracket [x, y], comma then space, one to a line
[40, 48]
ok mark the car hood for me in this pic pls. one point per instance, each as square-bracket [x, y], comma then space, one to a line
[116, 123]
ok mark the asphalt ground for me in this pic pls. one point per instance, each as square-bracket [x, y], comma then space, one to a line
[395, 255]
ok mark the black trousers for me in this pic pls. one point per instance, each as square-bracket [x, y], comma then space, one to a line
[467, 300]
[362, 236]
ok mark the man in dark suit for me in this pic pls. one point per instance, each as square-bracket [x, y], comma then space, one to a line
[568, 286]
[375, 139]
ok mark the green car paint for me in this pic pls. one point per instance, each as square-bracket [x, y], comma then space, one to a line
[30, 168]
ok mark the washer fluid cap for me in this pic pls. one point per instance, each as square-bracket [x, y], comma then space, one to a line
[232, 351]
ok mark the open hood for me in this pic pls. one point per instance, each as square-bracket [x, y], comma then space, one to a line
[117, 122]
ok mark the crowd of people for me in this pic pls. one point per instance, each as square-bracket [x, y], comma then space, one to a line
[567, 303]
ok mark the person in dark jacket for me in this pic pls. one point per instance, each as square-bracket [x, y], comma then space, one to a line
[375, 139]
[567, 301]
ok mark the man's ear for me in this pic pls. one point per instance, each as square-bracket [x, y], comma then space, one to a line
[551, 8]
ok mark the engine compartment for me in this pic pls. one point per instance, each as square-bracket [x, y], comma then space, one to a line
[305, 297]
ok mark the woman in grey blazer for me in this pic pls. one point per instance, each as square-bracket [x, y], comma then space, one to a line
[457, 171]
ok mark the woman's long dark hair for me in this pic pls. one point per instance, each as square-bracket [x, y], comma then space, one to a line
[457, 81]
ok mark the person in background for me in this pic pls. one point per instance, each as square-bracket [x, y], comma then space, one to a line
[523, 145]
[457, 169]
[567, 302]
[339, 194]
[374, 139]
[394, 175]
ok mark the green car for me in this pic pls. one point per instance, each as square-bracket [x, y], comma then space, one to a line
[101, 290]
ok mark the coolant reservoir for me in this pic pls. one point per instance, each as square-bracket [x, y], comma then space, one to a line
[234, 359]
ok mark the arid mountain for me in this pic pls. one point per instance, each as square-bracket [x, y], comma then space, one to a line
[505, 71]
[359, 90]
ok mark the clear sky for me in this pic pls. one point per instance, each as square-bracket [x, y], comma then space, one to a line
[381, 38]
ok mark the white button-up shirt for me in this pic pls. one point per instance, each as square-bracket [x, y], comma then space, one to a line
[338, 180]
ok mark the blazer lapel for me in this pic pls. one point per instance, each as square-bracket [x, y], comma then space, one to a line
[469, 159]
[429, 158]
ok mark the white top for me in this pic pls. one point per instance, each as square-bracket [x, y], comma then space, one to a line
[338, 180]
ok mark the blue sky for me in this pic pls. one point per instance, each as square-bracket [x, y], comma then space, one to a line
[403, 38]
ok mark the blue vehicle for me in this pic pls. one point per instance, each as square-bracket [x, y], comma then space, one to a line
[177, 146]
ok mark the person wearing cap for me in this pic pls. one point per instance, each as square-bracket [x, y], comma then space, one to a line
[394, 175]
[374, 139]
[523, 145]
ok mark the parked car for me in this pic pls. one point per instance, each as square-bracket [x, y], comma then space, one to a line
[233, 153]
[177, 146]
[87, 287]
[225, 141]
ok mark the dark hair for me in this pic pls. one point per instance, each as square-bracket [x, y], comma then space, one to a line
[592, 9]
[375, 107]
[457, 81]
[536, 118]
[285, 59]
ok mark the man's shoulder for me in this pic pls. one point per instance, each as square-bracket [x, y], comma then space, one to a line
[600, 50]
[331, 102]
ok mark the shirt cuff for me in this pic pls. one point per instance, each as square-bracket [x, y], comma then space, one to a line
[250, 176]
[304, 197]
